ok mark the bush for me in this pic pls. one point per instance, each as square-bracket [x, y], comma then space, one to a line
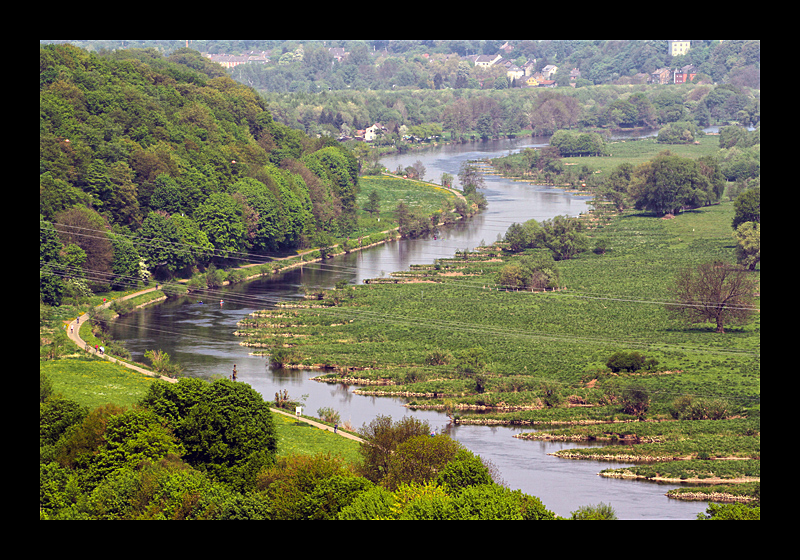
[438, 358]
[688, 407]
[599, 512]
[162, 363]
[630, 362]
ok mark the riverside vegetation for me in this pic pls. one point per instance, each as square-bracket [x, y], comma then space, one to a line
[552, 358]
[449, 336]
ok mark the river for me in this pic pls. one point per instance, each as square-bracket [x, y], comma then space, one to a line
[199, 337]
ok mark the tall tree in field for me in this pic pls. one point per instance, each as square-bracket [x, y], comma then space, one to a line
[669, 183]
[715, 292]
[373, 203]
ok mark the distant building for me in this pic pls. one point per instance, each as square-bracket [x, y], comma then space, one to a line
[677, 48]
[685, 74]
[371, 132]
[232, 61]
[549, 70]
[338, 53]
[487, 59]
[661, 76]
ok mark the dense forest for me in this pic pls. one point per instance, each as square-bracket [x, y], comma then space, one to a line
[154, 165]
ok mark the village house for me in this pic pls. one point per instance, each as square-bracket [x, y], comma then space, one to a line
[661, 76]
[685, 74]
[529, 67]
[338, 53]
[549, 70]
[514, 72]
[232, 60]
[487, 60]
[370, 133]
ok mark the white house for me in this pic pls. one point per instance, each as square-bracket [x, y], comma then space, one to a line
[371, 132]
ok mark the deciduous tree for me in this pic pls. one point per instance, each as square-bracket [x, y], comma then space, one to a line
[716, 292]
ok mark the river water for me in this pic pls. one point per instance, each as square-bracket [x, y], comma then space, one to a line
[199, 336]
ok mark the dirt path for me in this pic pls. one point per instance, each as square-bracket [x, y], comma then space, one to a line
[73, 332]
[318, 425]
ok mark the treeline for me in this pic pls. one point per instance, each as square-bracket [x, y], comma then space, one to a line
[195, 450]
[155, 166]
[496, 113]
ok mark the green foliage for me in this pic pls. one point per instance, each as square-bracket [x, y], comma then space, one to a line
[226, 427]
[748, 207]
[730, 512]
[689, 407]
[600, 512]
[463, 471]
[160, 147]
[310, 487]
[481, 502]
[571, 143]
[162, 363]
[678, 133]
[630, 362]
[669, 183]
[383, 436]
[375, 503]
[56, 415]
[562, 235]
[419, 459]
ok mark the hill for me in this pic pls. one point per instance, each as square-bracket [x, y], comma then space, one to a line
[156, 165]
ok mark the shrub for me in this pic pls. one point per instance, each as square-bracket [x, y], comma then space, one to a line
[162, 363]
[688, 407]
[281, 357]
[629, 361]
[635, 401]
[438, 358]
[327, 414]
[225, 427]
[599, 512]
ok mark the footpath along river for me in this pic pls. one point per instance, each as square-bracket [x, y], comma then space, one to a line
[200, 338]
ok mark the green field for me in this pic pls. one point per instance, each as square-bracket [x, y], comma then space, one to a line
[526, 341]
[419, 196]
[93, 382]
[450, 340]
[637, 152]
[296, 437]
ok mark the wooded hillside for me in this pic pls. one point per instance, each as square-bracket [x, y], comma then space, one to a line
[170, 162]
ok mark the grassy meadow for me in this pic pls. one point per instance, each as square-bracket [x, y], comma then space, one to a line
[637, 152]
[449, 339]
[420, 197]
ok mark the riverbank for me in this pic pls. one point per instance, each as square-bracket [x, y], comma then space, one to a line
[537, 359]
